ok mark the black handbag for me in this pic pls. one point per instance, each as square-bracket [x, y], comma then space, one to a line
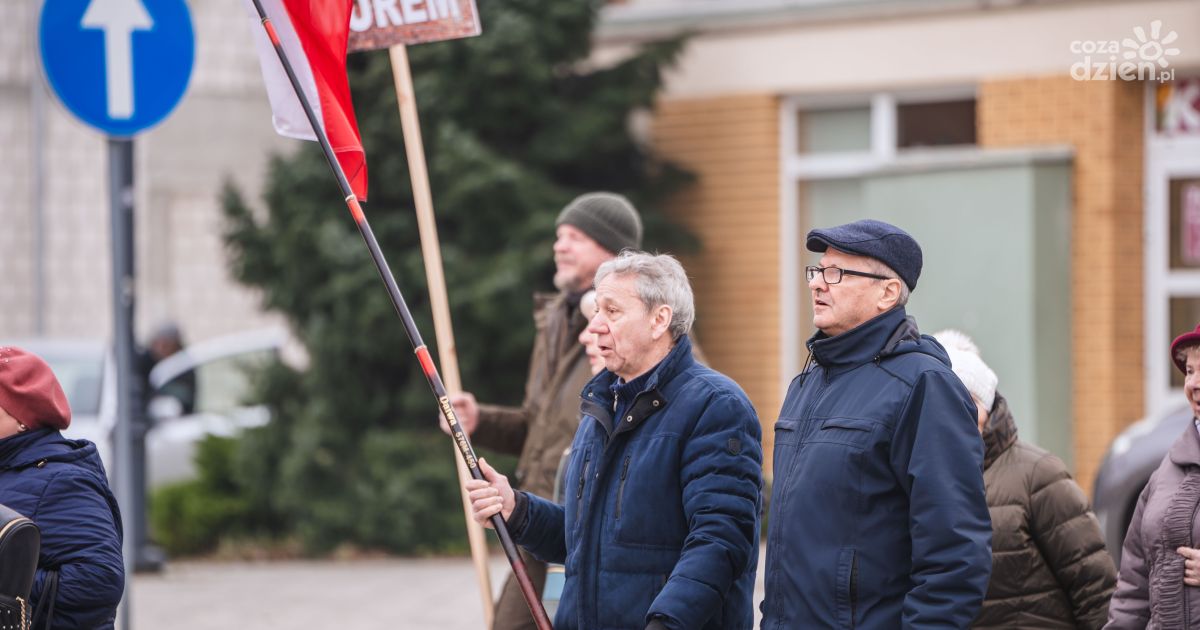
[20, 542]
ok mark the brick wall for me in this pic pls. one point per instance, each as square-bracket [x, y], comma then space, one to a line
[1102, 121]
[731, 144]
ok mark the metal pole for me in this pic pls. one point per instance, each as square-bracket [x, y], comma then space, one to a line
[37, 106]
[120, 187]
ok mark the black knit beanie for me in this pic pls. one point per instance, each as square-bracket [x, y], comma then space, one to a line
[608, 218]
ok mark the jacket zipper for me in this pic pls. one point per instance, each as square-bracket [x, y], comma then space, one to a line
[621, 488]
[1186, 612]
[818, 396]
[853, 588]
[583, 477]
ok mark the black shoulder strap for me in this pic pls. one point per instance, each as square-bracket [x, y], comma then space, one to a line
[43, 615]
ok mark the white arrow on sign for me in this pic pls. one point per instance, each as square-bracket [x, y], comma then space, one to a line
[118, 19]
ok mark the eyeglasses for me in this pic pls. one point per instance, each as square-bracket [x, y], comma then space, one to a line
[833, 275]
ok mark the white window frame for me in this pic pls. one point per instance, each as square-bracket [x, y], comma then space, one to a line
[1165, 159]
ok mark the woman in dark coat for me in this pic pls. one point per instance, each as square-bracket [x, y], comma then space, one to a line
[1157, 586]
[1050, 568]
[61, 485]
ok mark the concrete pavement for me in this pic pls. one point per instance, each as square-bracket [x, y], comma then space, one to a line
[387, 594]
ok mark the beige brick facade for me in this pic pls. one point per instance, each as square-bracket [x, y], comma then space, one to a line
[731, 144]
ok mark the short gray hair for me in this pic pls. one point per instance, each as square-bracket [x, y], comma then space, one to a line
[661, 281]
[880, 268]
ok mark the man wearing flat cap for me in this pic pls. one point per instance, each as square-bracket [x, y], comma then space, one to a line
[878, 517]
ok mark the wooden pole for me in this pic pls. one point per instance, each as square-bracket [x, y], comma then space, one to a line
[443, 330]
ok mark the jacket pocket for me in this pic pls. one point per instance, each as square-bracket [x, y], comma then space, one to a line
[787, 443]
[855, 432]
[575, 506]
[847, 587]
[621, 488]
[647, 505]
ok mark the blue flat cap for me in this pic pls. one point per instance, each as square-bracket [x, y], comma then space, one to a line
[876, 239]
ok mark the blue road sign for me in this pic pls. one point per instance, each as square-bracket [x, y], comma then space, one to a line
[119, 65]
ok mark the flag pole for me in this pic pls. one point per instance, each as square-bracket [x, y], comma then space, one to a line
[532, 599]
[436, 279]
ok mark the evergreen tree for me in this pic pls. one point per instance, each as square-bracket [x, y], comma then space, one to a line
[515, 124]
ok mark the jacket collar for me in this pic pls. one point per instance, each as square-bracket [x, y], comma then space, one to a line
[999, 432]
[598, 398]
[867, 342]
[1186, 450]
[29, 447]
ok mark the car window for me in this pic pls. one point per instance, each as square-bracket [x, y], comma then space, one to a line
[81, 378]
[218, 386]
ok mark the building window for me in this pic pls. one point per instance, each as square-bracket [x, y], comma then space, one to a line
[835, 130]
[945, 123]
[1184, 210]
[850, 135]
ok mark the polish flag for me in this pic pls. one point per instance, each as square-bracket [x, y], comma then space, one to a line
[313, 35]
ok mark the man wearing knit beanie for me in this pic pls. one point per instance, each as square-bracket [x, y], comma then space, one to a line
[590, 230]
[62, 486]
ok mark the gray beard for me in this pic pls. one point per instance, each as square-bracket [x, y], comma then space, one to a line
[569, 284]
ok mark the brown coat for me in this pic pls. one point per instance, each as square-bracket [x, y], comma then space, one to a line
[1050, 568]
[1151, 592]
[541, 429]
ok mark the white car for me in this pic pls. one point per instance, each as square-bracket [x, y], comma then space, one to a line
[86, 370]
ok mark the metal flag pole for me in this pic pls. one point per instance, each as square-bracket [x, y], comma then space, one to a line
[410, 327]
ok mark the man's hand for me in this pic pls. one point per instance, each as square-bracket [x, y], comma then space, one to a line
[467, 411]
[490, 496]
[1191, 565]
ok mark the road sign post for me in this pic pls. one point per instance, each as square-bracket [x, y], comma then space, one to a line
[120, 66]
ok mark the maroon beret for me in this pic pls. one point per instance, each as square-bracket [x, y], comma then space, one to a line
[1181, 342]
[29, 392]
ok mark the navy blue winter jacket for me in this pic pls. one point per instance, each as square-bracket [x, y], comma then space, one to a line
[662, 505]
[60, 484]
[878, 514]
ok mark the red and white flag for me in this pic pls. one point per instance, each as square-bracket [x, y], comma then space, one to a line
[313, 36]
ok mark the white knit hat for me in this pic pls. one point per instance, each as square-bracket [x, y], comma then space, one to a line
[968, 366]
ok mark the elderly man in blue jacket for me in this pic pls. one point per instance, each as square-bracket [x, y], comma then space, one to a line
[660, 525]
[878, 518]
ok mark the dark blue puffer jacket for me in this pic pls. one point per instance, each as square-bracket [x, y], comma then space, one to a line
[662, 509]
[60, 484]
[878, 515]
